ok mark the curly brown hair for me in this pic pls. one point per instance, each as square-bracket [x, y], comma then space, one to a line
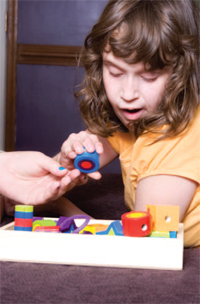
[158, 33]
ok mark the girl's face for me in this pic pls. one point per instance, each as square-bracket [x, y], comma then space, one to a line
[132, 90]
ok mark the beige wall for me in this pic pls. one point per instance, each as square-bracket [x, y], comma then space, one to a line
[3, 5]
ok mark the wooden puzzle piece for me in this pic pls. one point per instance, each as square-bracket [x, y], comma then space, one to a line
[165, 218]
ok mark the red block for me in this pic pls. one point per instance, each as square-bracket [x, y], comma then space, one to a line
[137, 224]
[23, 222]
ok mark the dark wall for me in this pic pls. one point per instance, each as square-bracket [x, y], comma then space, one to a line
[46, 111]
[60, 22]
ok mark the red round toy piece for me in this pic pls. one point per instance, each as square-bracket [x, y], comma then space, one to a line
[87, 162]
[86, 165]
[137, 224]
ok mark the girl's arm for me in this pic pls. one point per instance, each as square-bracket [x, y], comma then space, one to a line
[165, 190]
[74, 146]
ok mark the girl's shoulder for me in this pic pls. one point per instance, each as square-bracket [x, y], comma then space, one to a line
[121, 141]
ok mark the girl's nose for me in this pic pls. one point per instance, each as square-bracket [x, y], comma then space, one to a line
[130, 89]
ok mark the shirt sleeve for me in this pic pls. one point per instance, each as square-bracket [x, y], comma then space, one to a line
[178, 156]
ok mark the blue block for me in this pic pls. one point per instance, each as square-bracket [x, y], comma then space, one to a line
[23, 215]
[173, 234]
[116, 226]
[23, 228]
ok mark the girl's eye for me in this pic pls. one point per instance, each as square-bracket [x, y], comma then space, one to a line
[150, 77]
[116, 74]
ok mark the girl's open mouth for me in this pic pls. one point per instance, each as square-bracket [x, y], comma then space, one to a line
[132, 111]
[132, 114]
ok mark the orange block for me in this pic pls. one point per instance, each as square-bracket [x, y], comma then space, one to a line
[98, 227]
[165, 218]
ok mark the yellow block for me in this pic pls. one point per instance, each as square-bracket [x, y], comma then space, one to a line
[165, 218]
[136, 214]
[88, 229]
[98, 227]
[111, 232]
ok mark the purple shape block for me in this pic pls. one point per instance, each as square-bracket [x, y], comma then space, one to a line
[66, 225]
[36, 218]
[66, 222]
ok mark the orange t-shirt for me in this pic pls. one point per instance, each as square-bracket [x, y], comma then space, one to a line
[178, 156]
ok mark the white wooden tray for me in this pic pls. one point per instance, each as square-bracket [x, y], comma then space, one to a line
[91, 250]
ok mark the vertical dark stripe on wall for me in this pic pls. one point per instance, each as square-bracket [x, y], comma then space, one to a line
[11, 74]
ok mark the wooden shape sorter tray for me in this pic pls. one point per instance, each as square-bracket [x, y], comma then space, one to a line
[91, 250]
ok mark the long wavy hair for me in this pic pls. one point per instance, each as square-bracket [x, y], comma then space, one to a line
[158, 33]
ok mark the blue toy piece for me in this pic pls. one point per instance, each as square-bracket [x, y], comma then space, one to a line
[115, 228]
[87, 162]
[173, 234]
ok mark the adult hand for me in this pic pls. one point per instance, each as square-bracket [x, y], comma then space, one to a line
[34, 178]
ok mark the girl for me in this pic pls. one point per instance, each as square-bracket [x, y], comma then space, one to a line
[140, 102]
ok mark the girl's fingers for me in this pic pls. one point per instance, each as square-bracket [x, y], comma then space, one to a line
[95, 175]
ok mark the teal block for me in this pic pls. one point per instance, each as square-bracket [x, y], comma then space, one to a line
[173, 234]
[115, 228]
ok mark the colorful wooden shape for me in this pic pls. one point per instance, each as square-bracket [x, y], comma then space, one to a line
[88, 230]
[115, 228]
[43, 222]
[137, 224]
[24, 208]
[20, 222]
[161, 234]
[165, 218]
[69, 227]
[66, 222]
[173, 234]
[35, 218]
[47, 229]
[22, 228]
[98, 227]
[24, 215]
[87, 162]
[23, 218]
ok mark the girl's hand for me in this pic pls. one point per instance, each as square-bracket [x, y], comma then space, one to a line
[74, 146]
